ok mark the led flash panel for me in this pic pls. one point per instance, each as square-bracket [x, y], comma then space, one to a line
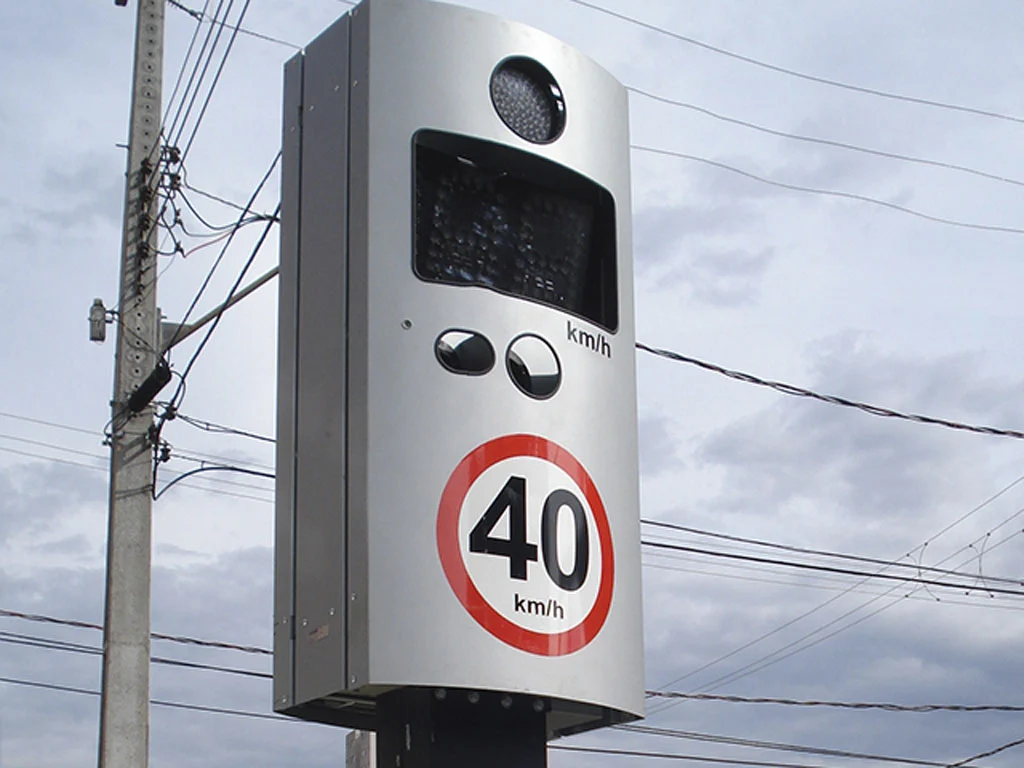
[493, 216]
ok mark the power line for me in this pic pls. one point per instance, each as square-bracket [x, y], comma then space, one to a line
[199, 16]
[789, 389]
[675, 756]
[216, 228]
[989, 753]
[206, 458]
[267, 716]
[890, 707]
[41, 444]
[190, 473]
[179, 475]
[736, 741]
[794, 647]
[795, 73]
[830, 568]
[217, 74]
[821, 582]
[829, 192]
[767, 659]
[220, 256]
[887, 707]
[33, 641]
[825, 553]
[560, 748]
[181, 639]
[205, 489]
[209, 426]
[227, 301]
[48, 644]
[186, 454]
[175, 130]
[54, 424]
[188, 56]
[919, 708]
[154, 702]
[826, 142]
[217, 199]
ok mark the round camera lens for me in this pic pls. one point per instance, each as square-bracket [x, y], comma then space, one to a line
[465, 352]
[533, 366]
[528, 100]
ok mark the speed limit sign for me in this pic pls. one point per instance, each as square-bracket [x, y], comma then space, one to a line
[524, 541]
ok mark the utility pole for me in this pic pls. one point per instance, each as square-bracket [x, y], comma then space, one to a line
[361, 749]
[124, 707]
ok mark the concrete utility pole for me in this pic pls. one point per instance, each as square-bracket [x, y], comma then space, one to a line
[124, 708]
[361, 750]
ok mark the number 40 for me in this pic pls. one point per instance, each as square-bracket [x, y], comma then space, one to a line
[518, 550]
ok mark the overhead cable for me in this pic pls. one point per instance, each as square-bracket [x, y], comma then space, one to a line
[216, 77]
[890, 707]
[215, 468]
[989, 753]
[220, 256]
[201, 17]
[826, 142]
[205, 489]
[209, 426]
[176, 128]
[887, 707]
[221, 464]
[216, 320]
[154, 702]
[825, 553]
[794, 73]
[32, 641]
[676, 756]
[182, 639]
[186, 454]
[906, 579]
[800, 645]
[780, 654]
[789, 389]
[830, 192]
[736, 741]
[821, 582]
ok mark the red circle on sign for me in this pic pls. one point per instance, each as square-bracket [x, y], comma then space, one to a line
[466, 473]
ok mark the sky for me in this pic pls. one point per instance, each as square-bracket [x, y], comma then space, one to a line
[901, 290]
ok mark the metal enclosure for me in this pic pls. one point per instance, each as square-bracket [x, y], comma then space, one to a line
[417, 431]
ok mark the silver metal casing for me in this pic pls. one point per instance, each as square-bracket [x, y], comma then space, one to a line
[384, 456]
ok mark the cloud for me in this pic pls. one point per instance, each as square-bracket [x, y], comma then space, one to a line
[693, 248]
[818, 475]
[657, 445]
[37, 499]
[228, 600]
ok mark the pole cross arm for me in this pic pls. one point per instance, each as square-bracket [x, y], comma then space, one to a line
[172, 334]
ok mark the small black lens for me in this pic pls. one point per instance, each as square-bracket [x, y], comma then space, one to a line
[533, 366]
[464, 352]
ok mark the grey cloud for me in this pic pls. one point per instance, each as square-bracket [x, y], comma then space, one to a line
[35, 498]
[92, 190]
[684, 246]
[657, 229]
[76, 200]
[76, 545]
[878, 471]
[888, 659]
[728, 277]
[657, 445]
[228, 599]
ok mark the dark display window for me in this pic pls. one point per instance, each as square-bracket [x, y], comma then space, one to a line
[493, 216]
